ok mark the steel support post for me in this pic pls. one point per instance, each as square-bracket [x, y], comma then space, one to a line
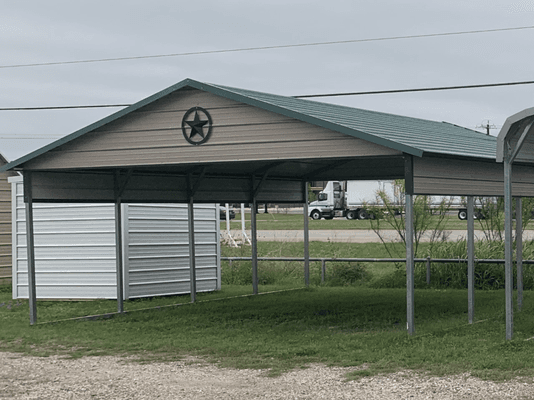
[519, 250]
[192, 258]
[508, 271]
[410, 286]
[306, 235]
[470, 259]
[30, 247]
[119, 270]
[254, 240]
[428, 271]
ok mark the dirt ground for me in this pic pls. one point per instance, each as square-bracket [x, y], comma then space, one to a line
[28, 377]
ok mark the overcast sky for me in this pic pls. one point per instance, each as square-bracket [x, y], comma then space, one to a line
[56, 31]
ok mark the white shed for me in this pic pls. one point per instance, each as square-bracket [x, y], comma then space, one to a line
[75, 249]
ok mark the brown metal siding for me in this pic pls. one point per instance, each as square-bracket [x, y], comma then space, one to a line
[440, 176]
[58, 186]
[152, 135]
[5, 226]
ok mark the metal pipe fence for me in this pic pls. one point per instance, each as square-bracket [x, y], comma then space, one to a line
[428, 261]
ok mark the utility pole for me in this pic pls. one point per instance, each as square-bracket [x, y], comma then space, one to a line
[486, 125]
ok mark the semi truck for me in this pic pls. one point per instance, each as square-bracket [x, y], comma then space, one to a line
[349, 199]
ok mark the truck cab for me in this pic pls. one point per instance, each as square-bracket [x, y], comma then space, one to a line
[328, 200]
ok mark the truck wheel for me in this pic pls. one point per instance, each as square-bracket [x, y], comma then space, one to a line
[362, 214]
[315, 214]
[351, 214]
[462, 215]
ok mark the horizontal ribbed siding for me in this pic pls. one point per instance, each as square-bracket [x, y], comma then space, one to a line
[75, 249]
[153, 136]
[158, 249]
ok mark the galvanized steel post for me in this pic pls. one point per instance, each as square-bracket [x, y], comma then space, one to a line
[30, 246]
[508, 272]
[254, 239]
[254, 234]
[410, 264]
[470, 259]
[306, 235]
[410, 285]
[118, 244]
[192, 258]
[519, 250]
[428, 270]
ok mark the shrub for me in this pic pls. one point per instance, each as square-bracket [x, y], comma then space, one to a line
[394, 280]
[346, 274]
[236, 273]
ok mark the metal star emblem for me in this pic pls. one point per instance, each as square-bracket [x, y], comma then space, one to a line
[194, 129]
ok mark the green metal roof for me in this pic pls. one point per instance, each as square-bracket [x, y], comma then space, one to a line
[410, 135]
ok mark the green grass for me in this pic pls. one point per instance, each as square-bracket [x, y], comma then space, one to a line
[280, 221]
[347, 326]
[351, 324]
[293, 270]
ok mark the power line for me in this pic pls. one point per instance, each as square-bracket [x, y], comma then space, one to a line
[285, 46]
[62, 107]
[28, 137]
[393, 91]
[428, 89]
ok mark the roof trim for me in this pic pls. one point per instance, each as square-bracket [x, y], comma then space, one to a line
[505, 130]
[223, 92]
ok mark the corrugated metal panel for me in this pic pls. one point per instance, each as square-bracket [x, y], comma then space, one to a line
[402, 134]
[5, 223]
[395, 130]
[438, 176]
[158, 249]
[75, 249]
[150, 187]
[239, 132]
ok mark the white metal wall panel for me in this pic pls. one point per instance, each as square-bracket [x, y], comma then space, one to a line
[75, 249]
[158, 249]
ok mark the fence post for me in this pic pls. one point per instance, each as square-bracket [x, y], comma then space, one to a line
[428, 270]
[323, 270]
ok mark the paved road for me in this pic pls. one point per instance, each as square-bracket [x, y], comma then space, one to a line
[348, 236]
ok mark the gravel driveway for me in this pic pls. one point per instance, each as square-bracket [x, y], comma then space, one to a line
[26, 377]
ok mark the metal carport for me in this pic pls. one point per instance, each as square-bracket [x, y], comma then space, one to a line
[515, 144]
[199, 142]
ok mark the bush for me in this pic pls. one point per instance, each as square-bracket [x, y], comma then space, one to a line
[269, 272]
[5, 288]
[346, 274]
[237, 273]
[394, 280]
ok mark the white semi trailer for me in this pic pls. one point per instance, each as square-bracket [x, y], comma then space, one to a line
[349, 199]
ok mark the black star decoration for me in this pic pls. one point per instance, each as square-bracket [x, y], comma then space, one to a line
[196, 126]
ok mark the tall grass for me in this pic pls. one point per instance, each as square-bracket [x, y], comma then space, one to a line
[291, 273]
[487, 276]
[374, 275]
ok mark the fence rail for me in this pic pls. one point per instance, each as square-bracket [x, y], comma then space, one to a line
[323, 261]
